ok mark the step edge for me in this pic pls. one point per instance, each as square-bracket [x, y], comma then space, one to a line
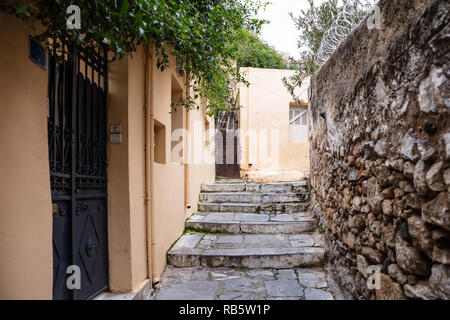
[207, 252]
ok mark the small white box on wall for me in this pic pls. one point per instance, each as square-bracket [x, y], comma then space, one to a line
[115, 138]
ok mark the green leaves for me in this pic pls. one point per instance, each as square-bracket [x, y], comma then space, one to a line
[312, 24]
[124, 8]
[250, 51]
[22, 10]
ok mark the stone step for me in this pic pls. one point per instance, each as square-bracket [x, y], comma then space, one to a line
[252, 251]
[249, 197]
[272, 208]
[252, 223]
[224, 187]
[275, 187]
[228, 207]
[229, 181]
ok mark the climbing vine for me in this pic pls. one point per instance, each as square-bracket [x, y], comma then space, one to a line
[197, 32]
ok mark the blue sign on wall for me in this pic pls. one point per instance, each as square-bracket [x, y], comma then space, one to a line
[37, 53]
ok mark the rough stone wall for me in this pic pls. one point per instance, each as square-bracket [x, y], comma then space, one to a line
[380, 151]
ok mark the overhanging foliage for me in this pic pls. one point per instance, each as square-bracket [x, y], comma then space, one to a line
[251, 51]
[197, 32]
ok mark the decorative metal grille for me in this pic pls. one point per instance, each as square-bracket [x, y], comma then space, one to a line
[76, 118]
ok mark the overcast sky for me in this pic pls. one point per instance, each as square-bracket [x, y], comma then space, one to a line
[281, 32]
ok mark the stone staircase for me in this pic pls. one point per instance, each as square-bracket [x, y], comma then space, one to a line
[253, 226]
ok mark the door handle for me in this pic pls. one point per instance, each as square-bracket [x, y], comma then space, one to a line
[54, 208]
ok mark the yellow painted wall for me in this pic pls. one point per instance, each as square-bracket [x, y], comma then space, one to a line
[26, 263]
[168, 180]
[199, 172]
[136, 129]
[126, 172]
[175, 184]
[119, 236]
[266, 109]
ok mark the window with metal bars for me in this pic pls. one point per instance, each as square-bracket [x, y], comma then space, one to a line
[298, 116]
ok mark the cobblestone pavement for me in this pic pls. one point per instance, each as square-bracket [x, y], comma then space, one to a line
[202, 283]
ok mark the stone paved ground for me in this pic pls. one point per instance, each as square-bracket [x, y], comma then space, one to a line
[202, 283]
[258, 243]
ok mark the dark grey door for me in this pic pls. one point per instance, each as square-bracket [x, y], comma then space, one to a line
[227, 145]
[77, 154]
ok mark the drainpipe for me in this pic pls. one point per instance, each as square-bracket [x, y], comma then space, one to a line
[248, 123]
[149, 129]
[186, 153]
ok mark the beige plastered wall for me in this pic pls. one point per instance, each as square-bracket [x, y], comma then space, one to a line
[200, 155]
[26, 262]
[168, 178]
[176, 184]
[265, 115]
[126, 174]
[25, 200]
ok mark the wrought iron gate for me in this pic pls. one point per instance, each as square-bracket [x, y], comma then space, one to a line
[77, 152]
[227, 145]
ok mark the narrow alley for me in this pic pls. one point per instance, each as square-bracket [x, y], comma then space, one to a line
[225, 150]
